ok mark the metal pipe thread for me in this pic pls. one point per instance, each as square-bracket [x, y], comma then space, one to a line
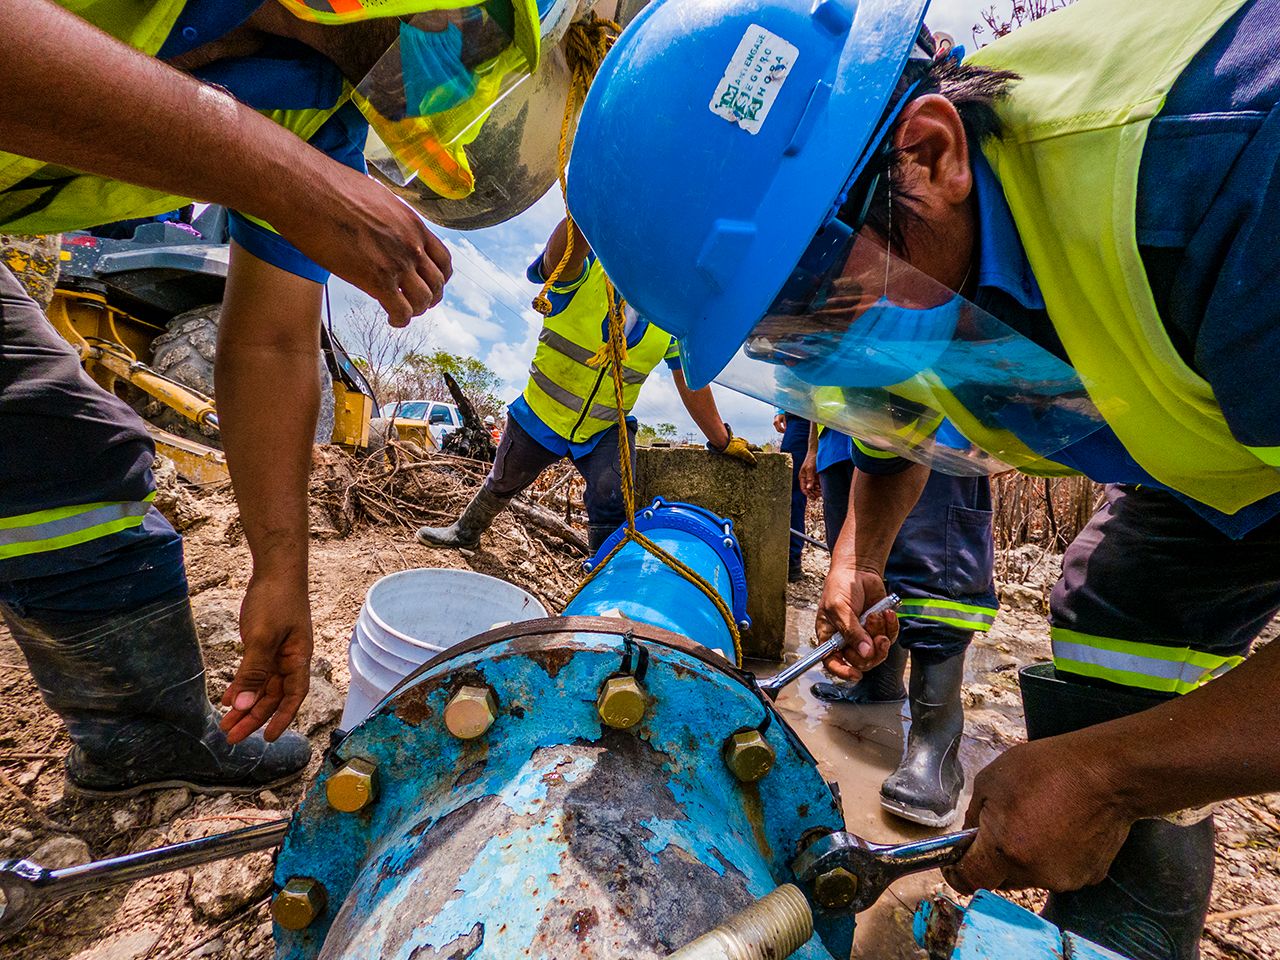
[774, 927]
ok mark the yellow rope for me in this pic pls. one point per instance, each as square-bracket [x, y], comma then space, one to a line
[585, 46]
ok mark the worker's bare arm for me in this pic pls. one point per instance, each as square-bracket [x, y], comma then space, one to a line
[105, 108]
[701, 406]
[1053, 813]
[554, 252]
[878, 506]
[268, 399]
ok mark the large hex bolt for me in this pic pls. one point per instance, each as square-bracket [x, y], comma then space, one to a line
[621, 702]
[748, 756]
[471, 712]
[835, 888]
[353, 786]
[298, 905]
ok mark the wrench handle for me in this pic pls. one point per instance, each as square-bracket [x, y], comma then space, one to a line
[926, 854]
[86, 877]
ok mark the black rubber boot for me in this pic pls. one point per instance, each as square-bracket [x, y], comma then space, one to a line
[131, 689]
[926, 786]
[468, 528]
[1155, 897]
[597, 534]
[881, 684]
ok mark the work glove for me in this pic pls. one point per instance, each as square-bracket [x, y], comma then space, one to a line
[735, 447]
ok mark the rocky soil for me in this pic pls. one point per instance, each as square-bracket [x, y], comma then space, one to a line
[220, 910]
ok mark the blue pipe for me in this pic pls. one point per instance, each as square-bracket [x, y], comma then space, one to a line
[697, 538]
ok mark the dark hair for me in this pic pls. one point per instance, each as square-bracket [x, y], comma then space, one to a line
[974, 91]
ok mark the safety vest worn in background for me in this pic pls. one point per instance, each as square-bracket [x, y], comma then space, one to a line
[570, 396]
[1095, 75]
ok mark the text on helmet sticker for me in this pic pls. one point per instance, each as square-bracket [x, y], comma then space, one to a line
[753, 78]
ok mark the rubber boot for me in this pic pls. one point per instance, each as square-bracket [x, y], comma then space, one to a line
[881, 684]
[1155, 897]
[131, 689]
[468, 528]
[597, 534]
[926, 786]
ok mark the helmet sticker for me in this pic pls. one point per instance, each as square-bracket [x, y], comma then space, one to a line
[753, 78]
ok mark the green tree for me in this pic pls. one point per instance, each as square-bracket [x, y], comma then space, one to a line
[647, 433]
[421, 377]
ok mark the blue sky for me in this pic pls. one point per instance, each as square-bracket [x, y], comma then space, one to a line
[487, 313]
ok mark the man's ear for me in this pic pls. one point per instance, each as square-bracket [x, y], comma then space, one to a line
[933, 151]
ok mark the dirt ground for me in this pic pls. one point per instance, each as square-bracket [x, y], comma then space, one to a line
[220, 910]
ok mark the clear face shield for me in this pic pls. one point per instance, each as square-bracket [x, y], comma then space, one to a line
[861, 341]
[466, 108]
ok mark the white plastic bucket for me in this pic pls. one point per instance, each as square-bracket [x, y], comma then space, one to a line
[409, 617]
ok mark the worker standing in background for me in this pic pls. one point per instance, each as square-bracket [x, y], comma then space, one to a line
[1066, 246]
[568, 406]
[795, 441]
[941, 564]
[253, 105]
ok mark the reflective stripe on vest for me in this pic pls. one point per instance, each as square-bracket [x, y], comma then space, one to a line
[1068, 158]
[567, 393]
[966, 616]
[1146, 666]
[60, 527]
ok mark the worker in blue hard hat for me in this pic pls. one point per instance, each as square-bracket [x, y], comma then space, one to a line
[942, 565]
[1066, 246]
[569, 409]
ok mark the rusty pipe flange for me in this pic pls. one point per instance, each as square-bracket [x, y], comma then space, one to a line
[554, 825]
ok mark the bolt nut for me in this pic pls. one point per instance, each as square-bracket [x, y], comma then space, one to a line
[471, 712]
[353, 786]
[835, 888]
[298, 905]
[621, 703]
[748, 756]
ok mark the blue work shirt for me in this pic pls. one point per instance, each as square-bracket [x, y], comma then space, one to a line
[560, 295]
[283, 75]
[1208, 228]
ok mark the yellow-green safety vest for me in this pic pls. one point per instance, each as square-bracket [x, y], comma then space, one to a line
[565, 391]
[1095, 74]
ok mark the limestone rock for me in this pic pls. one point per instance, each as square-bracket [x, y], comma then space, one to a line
[124, 946]
[62, 851]
[225, 887]
[322, 706]
[169, 803]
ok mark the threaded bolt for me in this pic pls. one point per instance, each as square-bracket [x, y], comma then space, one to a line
[748, 756]
[835, 888]
[621, 703]
[353, 786]
[298, 905]
[776, 925]
[471, 712]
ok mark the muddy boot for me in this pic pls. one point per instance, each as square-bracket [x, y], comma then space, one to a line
[1153, 902]
[881, 684]
[467, 529]
[131, 689]
[597, 534]
[926, 786]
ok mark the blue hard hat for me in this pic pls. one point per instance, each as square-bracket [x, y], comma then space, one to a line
[717, 139]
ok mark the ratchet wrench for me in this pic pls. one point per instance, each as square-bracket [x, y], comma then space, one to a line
[26, 888]
[773, 686]
[875, 866]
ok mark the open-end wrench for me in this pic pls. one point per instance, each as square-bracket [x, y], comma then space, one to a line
[26, 888]
[871, 867]
[773, 686]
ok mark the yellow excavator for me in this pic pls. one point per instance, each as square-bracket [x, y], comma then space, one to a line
[140, 303]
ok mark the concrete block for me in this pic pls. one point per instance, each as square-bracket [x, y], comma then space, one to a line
[757, 501]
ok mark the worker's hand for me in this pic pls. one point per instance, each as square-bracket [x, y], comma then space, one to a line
[733, 446]
[780, 422]
[1047, 816]
[272, 681]
[847, 592]
[809, 484]
[357, 228]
